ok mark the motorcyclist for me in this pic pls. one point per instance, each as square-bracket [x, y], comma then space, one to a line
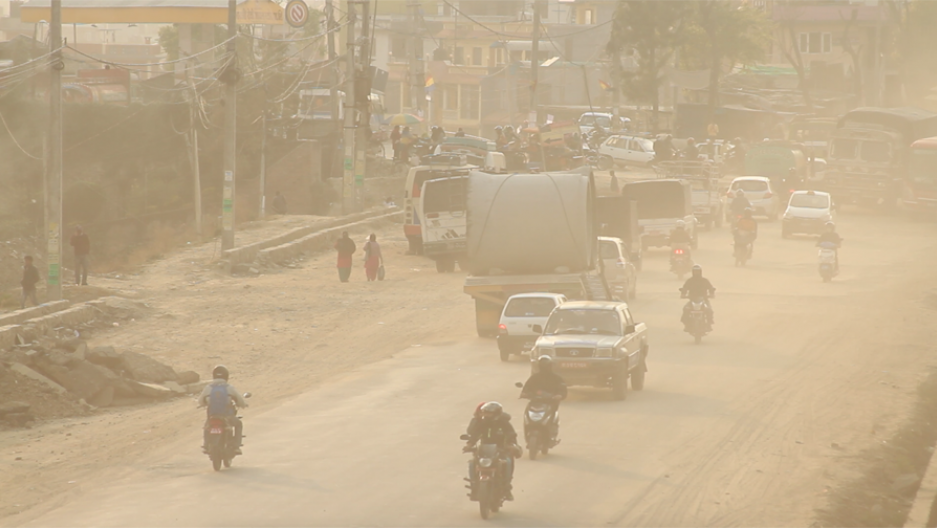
[698, 287]
[545, 380]
[492, 425]
[830, 235]
[691, 152]
[746, 229]
[740, 203]
[679, 235]
[220, 379]
[437, 135]
[500, 140]
[663, 148]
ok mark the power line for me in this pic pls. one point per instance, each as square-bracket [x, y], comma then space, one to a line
[15, 142]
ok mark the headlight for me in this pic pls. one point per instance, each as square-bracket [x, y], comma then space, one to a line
[603, 352]
[536, 416]
[484, 462]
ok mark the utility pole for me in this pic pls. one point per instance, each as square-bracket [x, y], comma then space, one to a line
[416, 70]
[54, 176]
[333, 67]
[363, 103]
[535, 65]
[230, 75]
[263, 157]
[616, 88]
[348, 177]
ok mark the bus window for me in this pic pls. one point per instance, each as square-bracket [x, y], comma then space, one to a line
[446, 195]
[844, 149]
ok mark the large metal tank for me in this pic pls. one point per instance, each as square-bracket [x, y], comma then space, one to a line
[520, 224]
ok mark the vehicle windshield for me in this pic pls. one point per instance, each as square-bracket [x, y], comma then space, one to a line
[600, 322]
[922, 168]
[602, 121]
[813, 201]
[750, 186]
[876, 151]
[608, 250]
[844, 149]
[529, 307]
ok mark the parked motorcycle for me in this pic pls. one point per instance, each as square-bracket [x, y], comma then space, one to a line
[695, 321]
[220, 444]
[827, 260]
[541, 423]
[486, 482]
[681, 262]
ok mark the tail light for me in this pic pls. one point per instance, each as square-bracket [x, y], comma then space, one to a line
[621, 262]
[502, 329]
[792, 191]
[768, 195]
[729, 194]
[678, 252]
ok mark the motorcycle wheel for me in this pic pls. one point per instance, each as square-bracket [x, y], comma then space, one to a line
[697, 339]
[545, 450]
[216, 463]
[484, 507]
[227, 462]
[532, 447]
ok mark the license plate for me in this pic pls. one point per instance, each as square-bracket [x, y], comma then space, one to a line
[215, 430]
[528, 346]
[574, 364]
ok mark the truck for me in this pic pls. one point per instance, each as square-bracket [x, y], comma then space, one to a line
[617, 217]
[596, 344]
[661, 204]
[704, 177]
[919, 189]
[530, 233]
[869, 152]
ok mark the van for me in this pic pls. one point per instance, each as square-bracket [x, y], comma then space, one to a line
[412, 198]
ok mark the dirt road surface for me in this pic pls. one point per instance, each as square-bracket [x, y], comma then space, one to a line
[353, 423]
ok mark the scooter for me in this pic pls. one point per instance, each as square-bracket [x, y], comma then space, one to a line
[827, 260]
[695, 322]
[541, 423]
[220, 445]
[681, 262]
[486, 483]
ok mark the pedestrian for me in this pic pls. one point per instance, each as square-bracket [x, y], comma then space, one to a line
[30, 278]
[373, 260]
[346, 248]
[82, 246]
[614, 185]
[395, 141]
[279, 204]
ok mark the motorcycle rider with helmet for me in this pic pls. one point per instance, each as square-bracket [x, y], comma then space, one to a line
[679, 235]
[493, 425]
[220, 379]
[698, 287]
[545, 380]
[830, 235]
[746, 230]
[740, 203]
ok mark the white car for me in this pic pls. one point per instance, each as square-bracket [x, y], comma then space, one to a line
[626, 150]
[520, 314]
[589, 120]
[807, 212]
[621, 275]
[760, 194]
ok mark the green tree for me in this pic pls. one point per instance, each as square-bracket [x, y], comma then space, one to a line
[169, 41]
[724, 32]
[650, 30]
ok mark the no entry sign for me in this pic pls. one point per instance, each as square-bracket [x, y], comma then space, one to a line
[297, 13]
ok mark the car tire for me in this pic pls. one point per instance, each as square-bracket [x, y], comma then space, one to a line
[637, 378]
[505, 355]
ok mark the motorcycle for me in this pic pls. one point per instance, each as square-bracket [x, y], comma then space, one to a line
[827, 259]
[541, 423]
[220, 445]
[695, 322]
[681, 262]
[486, 486]
[743, 248]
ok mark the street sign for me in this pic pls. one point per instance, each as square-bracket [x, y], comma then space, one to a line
[297, 13]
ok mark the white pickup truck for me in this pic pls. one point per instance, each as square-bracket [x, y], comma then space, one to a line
[595, 344]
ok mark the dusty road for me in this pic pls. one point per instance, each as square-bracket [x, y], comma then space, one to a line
[736, 431]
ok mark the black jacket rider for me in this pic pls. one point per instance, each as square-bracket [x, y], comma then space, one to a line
[696, 287]
[550, 382]
[492, 431]
[740, 203]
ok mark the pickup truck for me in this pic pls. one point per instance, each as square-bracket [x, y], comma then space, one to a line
[595, 344]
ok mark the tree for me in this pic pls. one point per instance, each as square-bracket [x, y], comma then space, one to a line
[789, 45]
[911, 45]
[650, 30]
[721, 32]
[169, 41]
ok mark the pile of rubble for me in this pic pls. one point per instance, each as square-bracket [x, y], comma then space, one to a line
[91, 377]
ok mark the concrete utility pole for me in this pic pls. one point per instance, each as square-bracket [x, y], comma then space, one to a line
[363, 108]
[348, 177]
[333, 66]
[616, 88]
[416, 63]
[535, 65]
[230, 131]
[263, 158]
[54, 176]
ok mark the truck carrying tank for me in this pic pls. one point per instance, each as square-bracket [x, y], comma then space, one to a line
[531, 223]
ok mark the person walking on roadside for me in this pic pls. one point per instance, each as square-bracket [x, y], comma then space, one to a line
[373, 259]
[82, 246]
[395, 141]
[346, 248]
[30, 279]
[279, 204]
